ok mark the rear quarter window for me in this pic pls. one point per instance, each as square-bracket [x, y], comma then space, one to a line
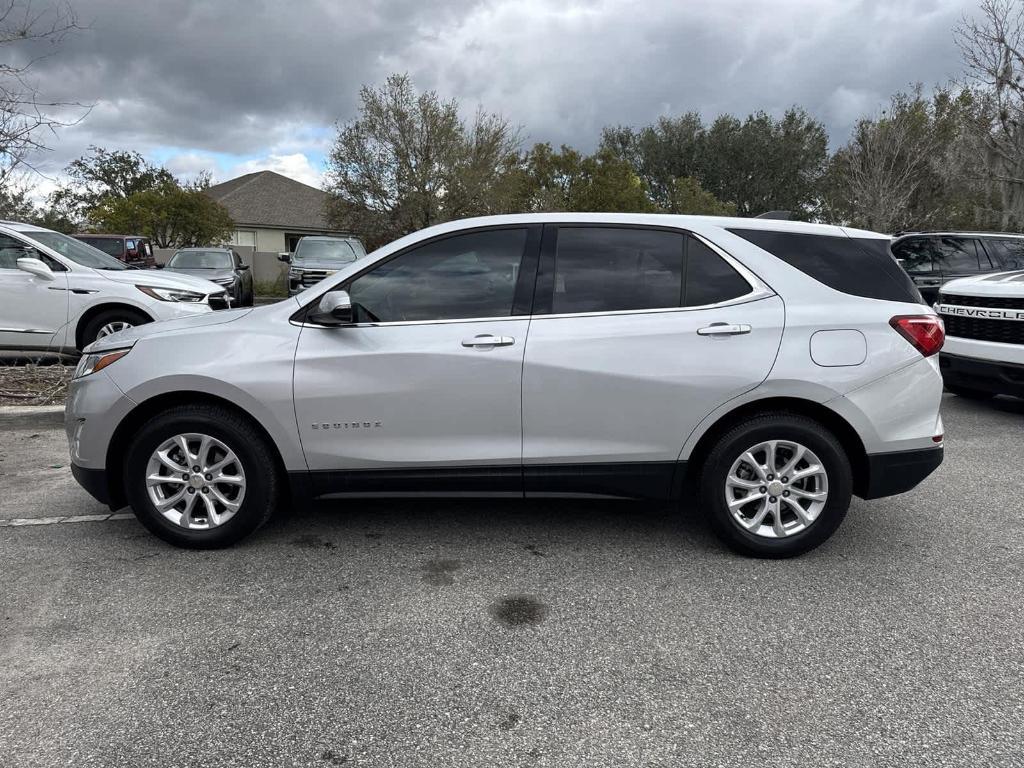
[856, 266]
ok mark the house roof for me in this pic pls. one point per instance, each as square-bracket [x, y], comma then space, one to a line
[268, 199]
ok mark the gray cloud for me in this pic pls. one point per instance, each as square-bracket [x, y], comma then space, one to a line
[254, 77]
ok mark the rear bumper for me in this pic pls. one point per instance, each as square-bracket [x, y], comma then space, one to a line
[898, 472]
[94, 481]
[984, 375]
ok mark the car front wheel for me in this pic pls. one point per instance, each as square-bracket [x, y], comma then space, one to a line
[111, 321]
[201, 477]
[776, 486]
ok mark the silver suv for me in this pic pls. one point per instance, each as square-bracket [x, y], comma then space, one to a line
[773, 369]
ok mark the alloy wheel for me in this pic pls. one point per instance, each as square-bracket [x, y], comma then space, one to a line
[776, 488]
[195, 481]
[114, 327]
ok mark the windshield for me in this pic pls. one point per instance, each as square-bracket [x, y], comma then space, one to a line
[325, 250]
[75, 250]
[200, 260]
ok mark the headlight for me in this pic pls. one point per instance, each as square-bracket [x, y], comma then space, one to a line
[225, 281]
[97, 361]
[171, 294]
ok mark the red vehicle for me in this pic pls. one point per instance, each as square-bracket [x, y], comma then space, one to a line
[134, 250]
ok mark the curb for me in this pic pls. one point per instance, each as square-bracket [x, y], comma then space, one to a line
[31, 416]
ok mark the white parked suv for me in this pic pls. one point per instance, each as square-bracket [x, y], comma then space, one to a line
[775, 368]
[984, 319]
[58, 294]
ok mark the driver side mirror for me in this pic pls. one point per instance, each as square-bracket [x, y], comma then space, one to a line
[285, 257]
[334, 309]
[35, 267]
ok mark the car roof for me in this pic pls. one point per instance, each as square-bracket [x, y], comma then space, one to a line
[665, 219]
[205, 248]
[328, 237]
[943, 233]
[97, 234]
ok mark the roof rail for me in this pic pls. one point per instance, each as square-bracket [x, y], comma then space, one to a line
[778, 215]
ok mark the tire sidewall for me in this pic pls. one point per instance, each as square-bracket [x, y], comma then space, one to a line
[258, 489]
[94, 325]
[800, 430]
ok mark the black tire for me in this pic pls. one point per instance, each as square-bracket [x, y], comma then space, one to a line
[781, 426]
[114, 315]
[264, 484]
[968, 393]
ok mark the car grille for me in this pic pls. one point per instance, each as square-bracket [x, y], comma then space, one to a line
[983, 329]
[313, 276]
[219, 300]
[989, 302]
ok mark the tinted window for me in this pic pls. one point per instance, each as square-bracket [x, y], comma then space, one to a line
[465, 276]
[710, 278]
[105, 244]
[605, 269]
[917, 254]
[1010, 251]
[956, 254]
[857, 266]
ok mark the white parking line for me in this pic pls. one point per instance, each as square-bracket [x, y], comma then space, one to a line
[21, 521]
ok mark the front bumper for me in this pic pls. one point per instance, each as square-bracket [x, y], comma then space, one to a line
[992, 376]
[899, 471]
[94, 481]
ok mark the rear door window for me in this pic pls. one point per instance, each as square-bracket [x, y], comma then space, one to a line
[613, 269]
[957, 254]
[710, 279]
[853, 265]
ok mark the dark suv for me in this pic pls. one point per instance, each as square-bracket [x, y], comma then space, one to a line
[133, 250]
[934, 258]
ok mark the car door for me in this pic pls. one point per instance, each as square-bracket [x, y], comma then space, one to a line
[638, 334]
[32, 309]
[919, 258]
[424, 389]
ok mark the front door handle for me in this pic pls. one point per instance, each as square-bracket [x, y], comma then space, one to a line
[486, 341]
[723, 329]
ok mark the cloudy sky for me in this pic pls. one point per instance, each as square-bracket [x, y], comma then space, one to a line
[241, 85]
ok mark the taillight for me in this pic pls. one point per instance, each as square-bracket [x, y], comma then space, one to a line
[925, 332]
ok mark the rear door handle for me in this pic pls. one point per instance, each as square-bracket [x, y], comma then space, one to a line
[723, 329]
[486, 340]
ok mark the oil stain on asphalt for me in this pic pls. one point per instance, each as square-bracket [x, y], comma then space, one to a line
[519, 611]
[438, 573]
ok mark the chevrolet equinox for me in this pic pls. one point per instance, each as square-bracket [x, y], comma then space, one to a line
[771, 369]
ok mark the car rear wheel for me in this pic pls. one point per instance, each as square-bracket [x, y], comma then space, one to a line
[111, 321]
[776, 486]
[201, 477]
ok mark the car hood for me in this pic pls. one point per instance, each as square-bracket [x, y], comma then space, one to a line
[131, 335]
[161, 279]
[1007, 284]
[331, 265]
[204, 274]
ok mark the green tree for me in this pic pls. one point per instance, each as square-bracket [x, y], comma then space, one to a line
[101, 176]
[688, 196]
[171, 216]
[409, 161]
[569, 181]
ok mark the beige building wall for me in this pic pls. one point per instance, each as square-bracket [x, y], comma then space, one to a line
[259, 239]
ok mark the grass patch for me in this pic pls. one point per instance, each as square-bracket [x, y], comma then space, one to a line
[34, 384]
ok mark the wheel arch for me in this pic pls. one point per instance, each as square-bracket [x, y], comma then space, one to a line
[142, 412]
[96, 309]
[834, 422]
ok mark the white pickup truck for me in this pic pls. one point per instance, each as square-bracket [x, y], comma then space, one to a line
[984, 351]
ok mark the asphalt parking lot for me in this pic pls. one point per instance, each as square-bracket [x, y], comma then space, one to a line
[472, 633]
